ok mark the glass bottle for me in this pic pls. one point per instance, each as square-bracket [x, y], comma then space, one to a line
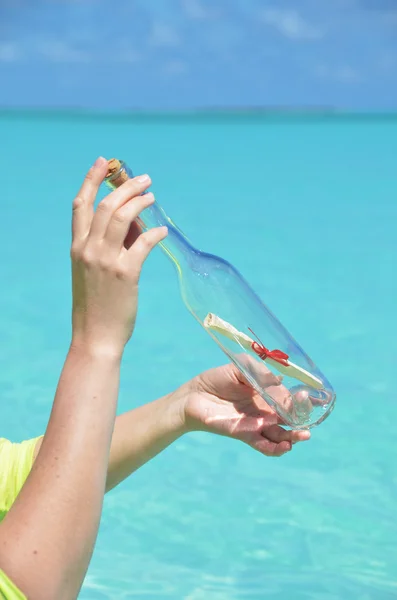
[222, 302]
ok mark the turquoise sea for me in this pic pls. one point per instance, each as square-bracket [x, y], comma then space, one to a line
[306, 208]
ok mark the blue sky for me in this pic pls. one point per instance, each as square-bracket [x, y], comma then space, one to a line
[173, 54]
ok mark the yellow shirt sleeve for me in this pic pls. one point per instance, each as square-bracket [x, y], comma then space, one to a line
[8, 591]
[15, 464]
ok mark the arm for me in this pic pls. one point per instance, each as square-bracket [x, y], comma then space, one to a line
[139, 435]
[218, 401]
[47, 538]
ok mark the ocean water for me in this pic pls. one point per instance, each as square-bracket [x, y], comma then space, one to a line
[306, 208]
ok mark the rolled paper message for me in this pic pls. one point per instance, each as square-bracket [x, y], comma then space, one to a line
[275, 358]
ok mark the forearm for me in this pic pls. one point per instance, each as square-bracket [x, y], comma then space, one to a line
[141, 434]
[55, 518]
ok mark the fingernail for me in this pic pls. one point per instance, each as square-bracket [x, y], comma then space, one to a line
[100, 161]
[149, 196]
[143, 178]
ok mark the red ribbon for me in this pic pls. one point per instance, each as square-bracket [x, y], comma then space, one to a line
[264, 353]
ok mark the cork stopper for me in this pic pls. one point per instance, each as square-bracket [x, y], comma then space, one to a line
[116, 175]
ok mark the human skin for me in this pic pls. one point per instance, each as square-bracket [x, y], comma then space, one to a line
[47, 538]
[86, 450]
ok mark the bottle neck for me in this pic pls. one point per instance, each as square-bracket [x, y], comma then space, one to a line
[176, 246]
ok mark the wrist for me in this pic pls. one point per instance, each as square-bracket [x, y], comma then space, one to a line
[96, 350]
[181, 399]
[176, 410]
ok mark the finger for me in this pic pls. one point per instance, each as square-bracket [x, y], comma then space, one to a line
[83, 204]
[109, 205]
[133, 234]
[267, 377]
[269, 448]
[300, 436]
[265, 409]
[145, 244]
[121, 220]
[270, 383]
[277, 434]
[282, 397]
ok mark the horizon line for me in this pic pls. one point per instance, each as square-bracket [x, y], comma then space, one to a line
[271, 110]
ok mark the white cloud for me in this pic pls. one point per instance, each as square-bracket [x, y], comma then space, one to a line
[176, 67]
[61, 51]
[291, 24]
[347, 74]
[66, 51]
[10, 52]
[52, 50]
[195, 9]
[340, 73]
[163, 35]
[130, 56]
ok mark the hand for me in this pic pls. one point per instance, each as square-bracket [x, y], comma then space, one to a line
[221, 401]
[107, 257]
